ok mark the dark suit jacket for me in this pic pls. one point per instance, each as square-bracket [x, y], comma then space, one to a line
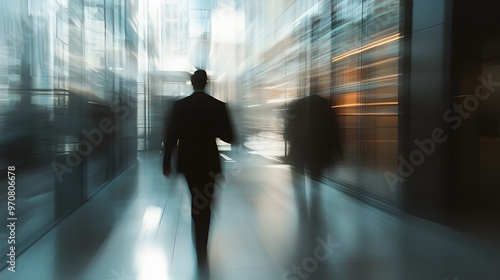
[193, 126]
[312, 132]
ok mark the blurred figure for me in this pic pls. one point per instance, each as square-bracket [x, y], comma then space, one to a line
[194, 124]
[311, 130]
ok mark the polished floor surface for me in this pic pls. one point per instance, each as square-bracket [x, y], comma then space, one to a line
[266, 226]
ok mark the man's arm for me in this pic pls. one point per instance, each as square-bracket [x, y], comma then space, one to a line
[226, 128]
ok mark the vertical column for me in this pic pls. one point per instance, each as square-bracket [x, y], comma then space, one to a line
[423, 165]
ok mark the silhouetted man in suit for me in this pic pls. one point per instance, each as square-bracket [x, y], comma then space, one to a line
[311, 130]
[194, 124]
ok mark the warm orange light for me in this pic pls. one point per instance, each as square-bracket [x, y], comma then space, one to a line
[369, 46]
[365, 104]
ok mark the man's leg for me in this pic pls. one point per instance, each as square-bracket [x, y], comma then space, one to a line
[315, 199]
[202, 189]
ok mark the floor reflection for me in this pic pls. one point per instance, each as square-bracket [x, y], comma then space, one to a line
[272, 223]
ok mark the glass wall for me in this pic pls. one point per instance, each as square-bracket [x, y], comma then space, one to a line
[68, 84]
[352, 50]
[366, 73]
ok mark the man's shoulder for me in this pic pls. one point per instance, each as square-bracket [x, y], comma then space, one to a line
[200, 97]
[215, 100]
[184, 100]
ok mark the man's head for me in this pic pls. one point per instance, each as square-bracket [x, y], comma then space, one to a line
[199, 79]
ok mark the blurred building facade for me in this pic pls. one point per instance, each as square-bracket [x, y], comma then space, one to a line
[412, 83]
[84, 85]
[355, 50]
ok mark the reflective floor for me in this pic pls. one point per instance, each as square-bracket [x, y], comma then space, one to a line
[269, 224]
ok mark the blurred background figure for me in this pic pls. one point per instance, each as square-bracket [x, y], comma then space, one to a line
[311, 130]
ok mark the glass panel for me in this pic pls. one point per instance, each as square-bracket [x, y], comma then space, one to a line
[54, 97]
[350, 51]
[366, 73]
